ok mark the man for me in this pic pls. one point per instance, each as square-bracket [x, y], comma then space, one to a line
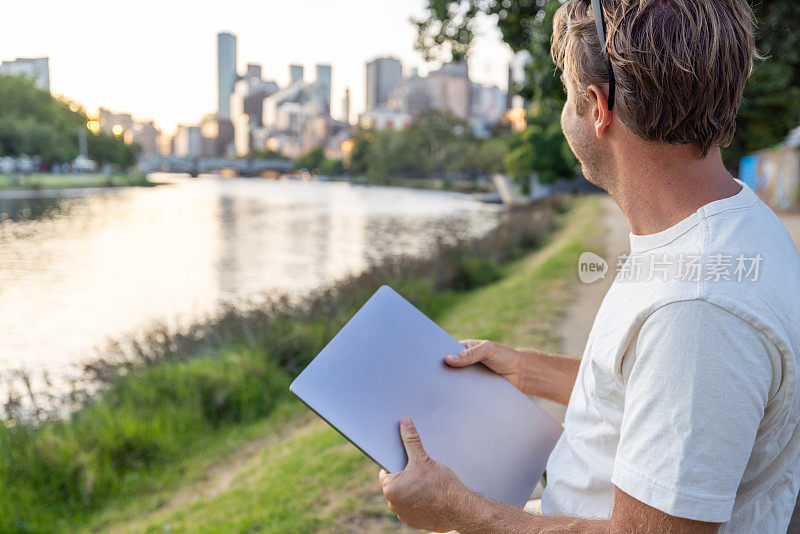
[683, 412]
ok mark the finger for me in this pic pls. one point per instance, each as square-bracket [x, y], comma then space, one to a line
[411, 440]
[476, 351]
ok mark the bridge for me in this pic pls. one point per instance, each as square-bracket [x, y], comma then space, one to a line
[195, 166]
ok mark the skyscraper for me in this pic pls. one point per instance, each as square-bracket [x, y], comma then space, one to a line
[324, 82]
[346, 105]
[253, 71]
[384, 75]
[226, 72]
[450, 88]
[295, 74]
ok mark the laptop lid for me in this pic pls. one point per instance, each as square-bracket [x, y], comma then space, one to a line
[388, 362]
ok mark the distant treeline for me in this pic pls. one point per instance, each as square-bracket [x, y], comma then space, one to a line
[435, 145]
[34, 123]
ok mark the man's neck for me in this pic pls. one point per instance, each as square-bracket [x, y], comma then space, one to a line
[657, 188]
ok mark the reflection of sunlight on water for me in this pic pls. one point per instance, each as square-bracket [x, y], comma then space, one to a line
[77, 271]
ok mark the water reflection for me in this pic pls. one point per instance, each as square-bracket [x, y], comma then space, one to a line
[28, 208]
[77, 271]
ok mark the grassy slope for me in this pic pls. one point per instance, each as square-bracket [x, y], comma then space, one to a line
[65, 181]
[291, 473]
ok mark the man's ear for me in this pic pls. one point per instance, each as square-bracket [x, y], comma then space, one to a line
[600, 112]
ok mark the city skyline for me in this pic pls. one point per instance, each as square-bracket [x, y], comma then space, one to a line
[174, 81]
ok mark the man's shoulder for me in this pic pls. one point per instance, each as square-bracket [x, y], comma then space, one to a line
[753, 269]
[752, 228]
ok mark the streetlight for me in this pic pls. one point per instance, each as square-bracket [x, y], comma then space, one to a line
[93, 125]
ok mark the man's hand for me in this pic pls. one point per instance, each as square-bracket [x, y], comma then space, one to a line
[503, 360]
[426, 493]
[531, 371]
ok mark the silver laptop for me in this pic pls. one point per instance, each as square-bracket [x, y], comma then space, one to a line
[388, 362]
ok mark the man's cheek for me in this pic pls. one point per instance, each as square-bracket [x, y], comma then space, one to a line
[565, 127]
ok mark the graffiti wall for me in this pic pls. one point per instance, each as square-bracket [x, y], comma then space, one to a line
[775, 175]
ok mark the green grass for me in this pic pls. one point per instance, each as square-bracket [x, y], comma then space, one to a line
[199, 432]
[307, 482]
[314, 480]
[131, 438]
[523, 306]
[66, 181]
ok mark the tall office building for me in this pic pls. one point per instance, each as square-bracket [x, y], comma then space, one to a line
[346, 106]
[35, 68]
[247, 107]
[384, 75]
[450, 88]
[295, 74]
[257, 90]
[324, 82]
[253, 70]
[226, 72]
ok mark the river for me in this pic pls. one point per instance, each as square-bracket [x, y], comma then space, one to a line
[78, 268]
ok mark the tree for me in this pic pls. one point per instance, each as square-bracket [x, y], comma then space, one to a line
[540, 148]
[315, 160]
[266, 153]
[32, 122]
[488, 159]
[446, 34]
[437, 144]
[310, 160]
[770, 107]
[771, 103]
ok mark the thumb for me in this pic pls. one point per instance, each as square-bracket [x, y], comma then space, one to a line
[384, 477]
[475, 351]
[411, 441]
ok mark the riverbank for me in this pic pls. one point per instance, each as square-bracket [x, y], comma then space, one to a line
[438, 184]
[38, 181]
[198, 431]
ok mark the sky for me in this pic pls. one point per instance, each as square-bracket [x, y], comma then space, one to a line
[157, 59]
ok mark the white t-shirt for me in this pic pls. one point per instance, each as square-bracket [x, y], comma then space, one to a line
[687, 395]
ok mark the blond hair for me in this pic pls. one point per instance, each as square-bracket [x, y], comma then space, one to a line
[680, 65]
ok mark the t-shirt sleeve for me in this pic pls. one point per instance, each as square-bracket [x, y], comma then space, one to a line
[695, 396]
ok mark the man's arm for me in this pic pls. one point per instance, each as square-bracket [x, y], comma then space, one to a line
[550, 376]
[428, 495]
[629, 516]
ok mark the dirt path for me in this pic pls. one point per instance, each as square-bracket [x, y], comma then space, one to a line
[221, 476]
[573, 328]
